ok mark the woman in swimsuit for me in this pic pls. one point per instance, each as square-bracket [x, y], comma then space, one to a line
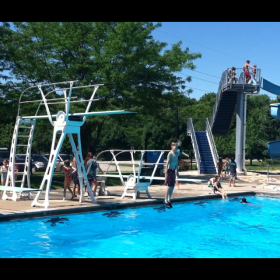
[4, 171]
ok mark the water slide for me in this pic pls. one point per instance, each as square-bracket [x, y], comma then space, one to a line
[273, 147]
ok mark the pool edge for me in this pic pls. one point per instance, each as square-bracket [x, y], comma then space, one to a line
[113, 206]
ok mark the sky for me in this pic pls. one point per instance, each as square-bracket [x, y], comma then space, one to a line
[223, 45]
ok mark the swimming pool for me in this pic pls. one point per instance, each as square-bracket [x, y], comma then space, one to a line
[199, 229]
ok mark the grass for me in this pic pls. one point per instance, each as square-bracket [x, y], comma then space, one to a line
[256, 166]
[261, 166]
[58, 178]
[36, 179]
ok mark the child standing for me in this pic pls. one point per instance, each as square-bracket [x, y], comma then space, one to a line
[67, 170]
[254, 71]
[226, 168]
[4, 171]
[219, 166]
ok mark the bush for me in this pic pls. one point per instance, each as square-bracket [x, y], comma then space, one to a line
[270, 162]
[183, 165]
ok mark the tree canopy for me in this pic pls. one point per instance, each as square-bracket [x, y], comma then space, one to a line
[137, 72]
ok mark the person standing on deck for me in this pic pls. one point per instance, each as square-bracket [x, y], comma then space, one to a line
[247, 72]
[170, 173]
[219, 166]
[233, 174]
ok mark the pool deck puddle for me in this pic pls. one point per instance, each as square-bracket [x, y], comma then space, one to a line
[246, 185]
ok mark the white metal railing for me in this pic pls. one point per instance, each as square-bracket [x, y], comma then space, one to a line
[191, 133]
[212, 144]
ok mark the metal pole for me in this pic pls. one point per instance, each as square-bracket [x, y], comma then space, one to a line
[268, 173]
[177, 113]
[239, 142]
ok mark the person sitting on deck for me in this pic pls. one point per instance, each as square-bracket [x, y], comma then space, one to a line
[218, 188]
[211, 182]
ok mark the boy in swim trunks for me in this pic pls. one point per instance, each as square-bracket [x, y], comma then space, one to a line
[246, 70]
[170, 172]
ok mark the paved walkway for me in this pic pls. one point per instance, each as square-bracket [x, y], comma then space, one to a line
[246, 185]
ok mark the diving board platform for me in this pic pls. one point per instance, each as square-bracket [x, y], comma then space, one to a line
[57, 103]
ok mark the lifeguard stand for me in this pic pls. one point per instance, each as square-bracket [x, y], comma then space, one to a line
[64, 123]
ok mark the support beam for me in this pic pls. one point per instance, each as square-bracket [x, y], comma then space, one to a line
[240, 141]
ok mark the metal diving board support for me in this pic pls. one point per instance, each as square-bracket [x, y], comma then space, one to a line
[24, 129]
[132, 186]
[64, 125]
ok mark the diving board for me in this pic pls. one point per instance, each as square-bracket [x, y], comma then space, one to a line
[89, 114]
[18, 189]
[16, 192]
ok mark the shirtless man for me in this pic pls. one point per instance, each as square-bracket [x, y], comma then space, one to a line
[246, 70]
[170, 172]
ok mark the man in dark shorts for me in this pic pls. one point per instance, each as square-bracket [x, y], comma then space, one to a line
[91, 168]
[233, 174]
[170, 172]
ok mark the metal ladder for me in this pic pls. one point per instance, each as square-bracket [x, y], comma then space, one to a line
[24, 128]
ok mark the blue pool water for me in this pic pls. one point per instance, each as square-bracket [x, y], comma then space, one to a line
[210, 229]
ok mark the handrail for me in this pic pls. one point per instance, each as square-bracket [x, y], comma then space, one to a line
[191, 132]
[212, 144]
[226, 80]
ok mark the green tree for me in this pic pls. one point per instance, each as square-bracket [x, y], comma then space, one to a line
[137, 71]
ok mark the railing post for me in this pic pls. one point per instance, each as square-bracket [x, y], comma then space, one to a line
[268, 173]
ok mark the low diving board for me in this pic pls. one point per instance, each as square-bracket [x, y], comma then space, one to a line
[18, 189]
[15, 191]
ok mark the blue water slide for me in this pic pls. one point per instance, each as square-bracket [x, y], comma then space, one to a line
[270, 87]
[274, 110]
[273, 147]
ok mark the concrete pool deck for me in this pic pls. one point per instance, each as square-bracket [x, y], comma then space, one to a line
[251, 184]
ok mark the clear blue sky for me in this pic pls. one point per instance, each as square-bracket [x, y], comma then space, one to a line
[223, 45]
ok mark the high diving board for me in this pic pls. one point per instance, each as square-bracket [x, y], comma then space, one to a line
[89, 114]
[65, 125]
